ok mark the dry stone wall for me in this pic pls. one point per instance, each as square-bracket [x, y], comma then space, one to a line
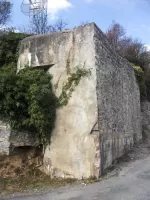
[118, 102]
[145, 116]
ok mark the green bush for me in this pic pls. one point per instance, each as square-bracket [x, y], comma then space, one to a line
[27, 101]
[139, 73]
[9, 46]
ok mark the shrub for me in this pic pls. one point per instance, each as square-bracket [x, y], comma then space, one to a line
[27, 101]
[9, 46]
[139, 73]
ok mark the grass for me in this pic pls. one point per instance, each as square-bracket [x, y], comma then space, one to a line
[33, 181]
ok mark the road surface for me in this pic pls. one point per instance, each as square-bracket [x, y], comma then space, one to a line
[132, 183]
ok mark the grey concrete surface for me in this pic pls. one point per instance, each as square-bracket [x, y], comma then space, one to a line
[132, 183]
[9, 139]
[111, 99]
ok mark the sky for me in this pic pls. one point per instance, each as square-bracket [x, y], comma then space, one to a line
[134, 15]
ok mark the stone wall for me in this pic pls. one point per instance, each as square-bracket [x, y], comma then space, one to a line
[102, 118]
[4, 138]
[145, 115]
[118, 102]
[10, 139]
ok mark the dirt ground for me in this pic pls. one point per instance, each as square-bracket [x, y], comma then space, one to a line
[19, 174]
[23, 173]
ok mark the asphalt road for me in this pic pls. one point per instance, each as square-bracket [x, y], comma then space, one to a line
[132, 183]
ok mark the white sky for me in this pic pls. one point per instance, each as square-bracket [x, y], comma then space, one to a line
[54, 6]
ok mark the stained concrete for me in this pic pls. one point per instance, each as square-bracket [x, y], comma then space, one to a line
[9, 139]
[4, 138]
[102, 118]
[73, 152]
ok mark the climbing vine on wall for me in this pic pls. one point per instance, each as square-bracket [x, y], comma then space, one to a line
[69, 87]
[27, 101]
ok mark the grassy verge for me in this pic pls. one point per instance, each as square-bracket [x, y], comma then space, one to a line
[34, 181]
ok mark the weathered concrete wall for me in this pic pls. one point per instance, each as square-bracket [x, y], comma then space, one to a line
[118, 102]
[102, 117]
[20, 139]
[10, 139]
[73, 151]
[4, 138]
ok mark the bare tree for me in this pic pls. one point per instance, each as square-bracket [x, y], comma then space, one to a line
[132, 49]
[115, 34]
[24, 29]
[5, 12]
[59, 25]
[39, 24]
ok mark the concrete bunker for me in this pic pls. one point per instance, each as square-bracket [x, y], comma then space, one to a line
[18, 143]
[102, 117]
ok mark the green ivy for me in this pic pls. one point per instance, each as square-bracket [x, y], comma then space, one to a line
[69, 87]
[27, 101]
[139, 73]
[9, 46]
